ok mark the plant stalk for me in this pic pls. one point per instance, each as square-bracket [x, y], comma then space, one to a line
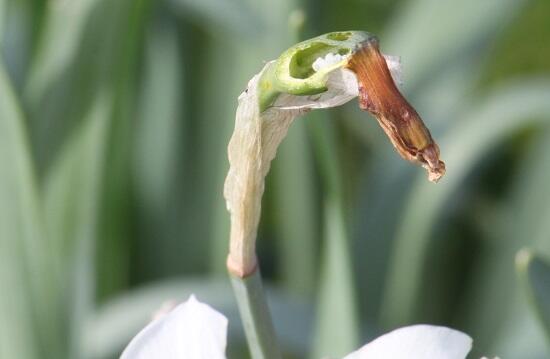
[254, 312]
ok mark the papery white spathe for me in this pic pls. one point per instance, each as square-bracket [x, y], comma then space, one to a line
[417, 342]
[253, 146]
[254, 143]
[192, 330]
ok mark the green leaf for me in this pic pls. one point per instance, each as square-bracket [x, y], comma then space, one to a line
[337, 319]
[337, 329]
[71, 199]
[427, 34]
[534, 272]
[121, 68]
[532, 197]
[234, 16]
[2, 11]
[490, 299]
[159, 149]
[295, 210]
[522, 338]
[28, 276]
[512, 108]
[60, 40]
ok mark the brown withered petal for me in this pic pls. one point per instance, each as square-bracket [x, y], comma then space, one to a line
[379, 95]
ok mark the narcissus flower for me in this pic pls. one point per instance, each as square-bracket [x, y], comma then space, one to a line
[191, 330]
[194, 330]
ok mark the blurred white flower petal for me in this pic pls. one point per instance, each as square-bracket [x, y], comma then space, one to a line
[417, 342]
[192, 330]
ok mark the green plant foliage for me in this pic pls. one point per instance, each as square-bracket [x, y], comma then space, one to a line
[114, 123]
[534, 271]
[485, 127]
[29, 283]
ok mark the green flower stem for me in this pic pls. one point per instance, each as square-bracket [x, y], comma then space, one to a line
[254, 312]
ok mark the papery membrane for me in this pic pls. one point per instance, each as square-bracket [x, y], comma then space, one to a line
[253, 146]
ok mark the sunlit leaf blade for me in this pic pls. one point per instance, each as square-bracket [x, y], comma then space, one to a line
[159, 150]
[492, 299]
[157, 127]
[337, 324]
[57, 46]
[460, 26]
[527, 225]
[500, 115]
[534, 272]
[532, 197]
[295, 210]
[522, 337]
[121, 67]
[71, 197]
[235, 16]
[28, 277]
[337, 329]
[2, 11]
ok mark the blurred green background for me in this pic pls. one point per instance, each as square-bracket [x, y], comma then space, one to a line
[114, 122]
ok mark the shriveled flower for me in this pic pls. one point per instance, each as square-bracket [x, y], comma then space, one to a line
[193, 330]
[323, 72]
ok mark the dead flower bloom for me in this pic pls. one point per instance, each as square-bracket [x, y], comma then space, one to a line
[379, 95]
[323, 72]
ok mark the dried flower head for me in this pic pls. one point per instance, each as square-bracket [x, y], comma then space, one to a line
[323, 72]
[379, 95]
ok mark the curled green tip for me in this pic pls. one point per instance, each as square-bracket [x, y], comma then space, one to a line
[293, 73]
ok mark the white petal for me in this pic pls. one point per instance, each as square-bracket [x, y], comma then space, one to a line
[417, 342]
[396, 70]
[192, 330]
[322, 62]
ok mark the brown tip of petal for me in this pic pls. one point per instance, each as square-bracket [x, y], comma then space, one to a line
[431, 162]
[379, 95]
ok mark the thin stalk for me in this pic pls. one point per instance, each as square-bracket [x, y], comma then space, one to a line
[254, 312]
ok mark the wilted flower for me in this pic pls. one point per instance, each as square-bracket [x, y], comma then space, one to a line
[323, 72]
